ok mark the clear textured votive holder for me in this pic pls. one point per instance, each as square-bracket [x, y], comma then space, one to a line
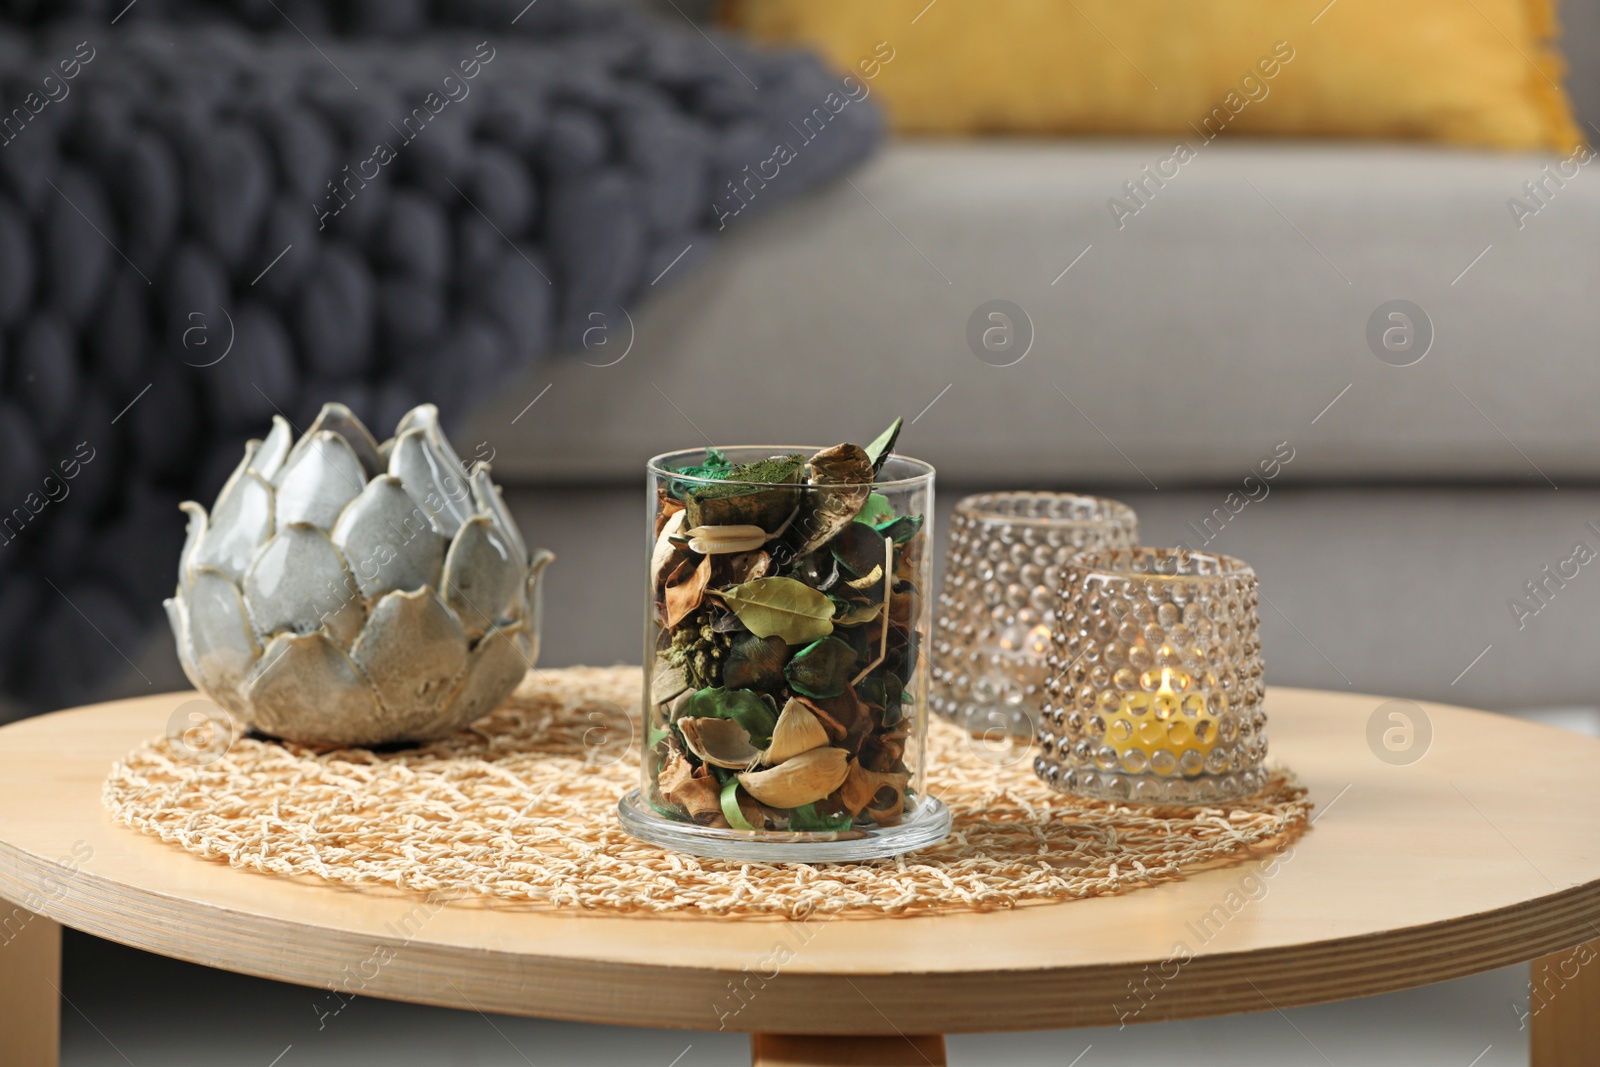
[1155, 692]
[997, 604]
[786, 624]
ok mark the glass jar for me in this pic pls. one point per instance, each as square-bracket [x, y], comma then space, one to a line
[997, 602]
[786, 617]
[1155, 692]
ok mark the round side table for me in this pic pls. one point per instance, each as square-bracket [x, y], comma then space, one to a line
[1482, 853]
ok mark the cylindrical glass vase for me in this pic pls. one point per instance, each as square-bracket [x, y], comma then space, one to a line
[785, 701]
[1155, 692]
[997, 602]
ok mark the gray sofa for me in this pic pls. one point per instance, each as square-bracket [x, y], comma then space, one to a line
[1227, 318]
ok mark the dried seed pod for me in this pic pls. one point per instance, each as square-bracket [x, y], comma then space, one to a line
[721, 742]
[804, 779]
[721, 540]
[862, 787]
[797, 731]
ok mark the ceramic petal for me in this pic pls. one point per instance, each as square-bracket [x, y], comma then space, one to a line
[269, 457]
[388, 541]
[483, 577]
[251, 447]
[178, 616]
[299, 584]
[341, 420]
[428, 476]
[487, 496]
[532, 614]
[219, 635]
[425, 417]
[193, 533]
[240, 522]
[321, 476]
[306, 688]
[413, 649]
[497, 665]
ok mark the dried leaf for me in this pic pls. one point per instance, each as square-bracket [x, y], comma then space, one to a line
[822, 668]
[823, 815]
[840, 482]
[781, 606]
[755, 663]
[685, 591]
[883, 446]
[743, 706]
[859, 549]
[744, 567]
[848, 613]
[667, 682]
[876, 510]
[667, 554]
[902, 529]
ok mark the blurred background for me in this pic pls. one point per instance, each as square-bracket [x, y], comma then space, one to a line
[652, 225]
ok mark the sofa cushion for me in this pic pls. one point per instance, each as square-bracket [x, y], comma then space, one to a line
[1479, 74]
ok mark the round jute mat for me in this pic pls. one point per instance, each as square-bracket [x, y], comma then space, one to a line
[521, 808]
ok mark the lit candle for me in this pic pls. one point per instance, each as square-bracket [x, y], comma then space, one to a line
[1172, 728]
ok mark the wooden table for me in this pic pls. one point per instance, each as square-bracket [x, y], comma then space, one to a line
[1483, 853]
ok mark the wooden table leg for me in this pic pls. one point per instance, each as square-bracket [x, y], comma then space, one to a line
[795, 1050]
[30, 977]
[1564, 1008]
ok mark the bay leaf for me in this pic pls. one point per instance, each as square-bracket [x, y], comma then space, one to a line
[747, 708]
[686, 591]
[780, 606]
[822, 669]
[755, 663]
[883, 445]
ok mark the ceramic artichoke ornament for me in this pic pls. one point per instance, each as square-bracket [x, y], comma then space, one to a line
[347, 592]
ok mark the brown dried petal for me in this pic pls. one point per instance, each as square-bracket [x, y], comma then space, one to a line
[685, 591]
[695, 792]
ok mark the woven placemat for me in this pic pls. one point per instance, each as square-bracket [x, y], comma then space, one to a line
[522, 808]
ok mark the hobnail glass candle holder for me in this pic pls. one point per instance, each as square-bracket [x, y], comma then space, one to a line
[786, 624]
[998, 601]
[1155, 692]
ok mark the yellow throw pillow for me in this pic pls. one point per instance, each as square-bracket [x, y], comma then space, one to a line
[1470, 72]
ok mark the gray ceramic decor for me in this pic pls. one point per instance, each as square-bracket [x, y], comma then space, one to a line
[343, 591]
